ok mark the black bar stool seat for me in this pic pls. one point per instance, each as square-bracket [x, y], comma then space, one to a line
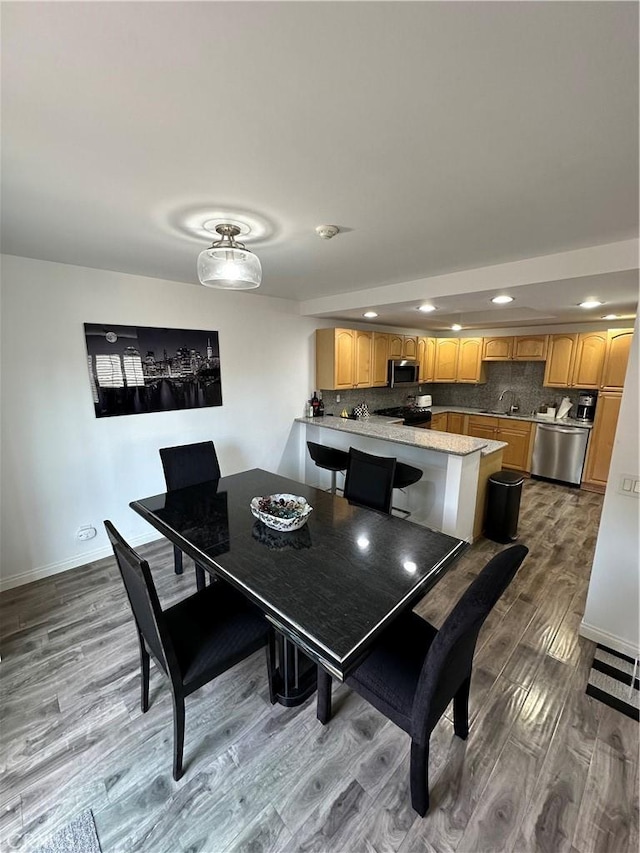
[329, 458]
[406, 475]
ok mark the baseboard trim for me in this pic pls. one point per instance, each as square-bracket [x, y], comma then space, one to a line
[71, 563]
[590, 632]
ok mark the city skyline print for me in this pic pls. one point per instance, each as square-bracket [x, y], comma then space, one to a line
[134, 370]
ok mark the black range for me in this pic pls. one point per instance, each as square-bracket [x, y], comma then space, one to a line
[411, 415]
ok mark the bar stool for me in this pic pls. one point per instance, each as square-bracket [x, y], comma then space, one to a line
[406, 475]
[329, 458]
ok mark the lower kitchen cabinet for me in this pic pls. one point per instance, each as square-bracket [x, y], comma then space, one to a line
[518, 436]
[596, 469]
[440, 421]
[455, 423]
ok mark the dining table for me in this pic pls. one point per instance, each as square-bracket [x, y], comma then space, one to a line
[328, 589]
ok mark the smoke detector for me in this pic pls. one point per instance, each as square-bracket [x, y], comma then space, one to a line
[326, 232]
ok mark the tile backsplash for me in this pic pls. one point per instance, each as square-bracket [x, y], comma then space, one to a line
[524, 378]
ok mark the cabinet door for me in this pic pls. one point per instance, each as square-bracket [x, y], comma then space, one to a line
[410, 348]
[530, 348]
[518, 436]
[470, 368]
[601, 438]
[497, 349]
[344, 358]
[590, 352]
[480, 427]
[446, 360]
[362, 351]
[439, 421]
[426, 358]
[380, 358]
[559, 369]
[396, 346]
[615, 363]
[455, 423]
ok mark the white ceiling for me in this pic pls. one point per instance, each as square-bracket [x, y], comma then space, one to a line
[439, 136]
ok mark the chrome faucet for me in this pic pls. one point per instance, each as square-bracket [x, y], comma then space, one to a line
[507, 391]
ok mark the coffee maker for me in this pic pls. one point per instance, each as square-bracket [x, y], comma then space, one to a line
[586, 407]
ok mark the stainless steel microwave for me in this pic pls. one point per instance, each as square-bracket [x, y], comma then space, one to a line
[402, 371]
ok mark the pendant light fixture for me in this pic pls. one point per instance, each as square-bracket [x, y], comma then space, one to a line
[228, 264]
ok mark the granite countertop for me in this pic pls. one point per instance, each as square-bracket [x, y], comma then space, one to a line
[392, 429]
[537, 419]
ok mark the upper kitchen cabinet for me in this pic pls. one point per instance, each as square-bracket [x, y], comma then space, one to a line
[379, 359]
[497, 349]
[590, 353]
[530, 348]
[616, 358]
[403, 346]
[446, 360]
[343, 359]
[522, 348]
[561, 357]
[426, 358]
[470, 367]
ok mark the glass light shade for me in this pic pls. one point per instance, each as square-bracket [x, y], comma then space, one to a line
[229, 269]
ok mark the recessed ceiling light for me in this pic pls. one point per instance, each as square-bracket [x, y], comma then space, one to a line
[502, 300]
[456, 327]
[369, 314]
[610, 317]
[590, 303]
[427, 308]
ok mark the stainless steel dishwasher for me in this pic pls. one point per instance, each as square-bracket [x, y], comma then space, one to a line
[558, 452]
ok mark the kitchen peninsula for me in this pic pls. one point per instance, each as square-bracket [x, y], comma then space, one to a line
[450, 495]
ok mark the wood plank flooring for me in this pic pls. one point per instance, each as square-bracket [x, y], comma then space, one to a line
[545, 768]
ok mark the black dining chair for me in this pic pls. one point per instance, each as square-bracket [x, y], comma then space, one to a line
[369, 480]
[189, 465]
[191, 642]
[415, 670]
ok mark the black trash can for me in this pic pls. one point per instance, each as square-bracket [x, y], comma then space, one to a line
[504, 489]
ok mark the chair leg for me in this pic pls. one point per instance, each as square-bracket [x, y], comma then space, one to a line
[419, 777]
[178, 735]
[271, 665]
[323, 711]
[144, 677]
[177, 560]
[201, 581]
[461, 709]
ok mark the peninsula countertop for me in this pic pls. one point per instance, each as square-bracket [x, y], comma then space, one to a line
[392, 429]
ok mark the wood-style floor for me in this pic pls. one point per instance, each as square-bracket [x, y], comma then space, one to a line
[545, 767]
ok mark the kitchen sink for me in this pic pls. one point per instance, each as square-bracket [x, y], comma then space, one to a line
[494, 412]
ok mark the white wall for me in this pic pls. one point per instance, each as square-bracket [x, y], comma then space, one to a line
[612, 614]
[62, 467]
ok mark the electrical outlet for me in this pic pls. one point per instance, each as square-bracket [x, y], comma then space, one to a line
[86, 532]
[337, 398]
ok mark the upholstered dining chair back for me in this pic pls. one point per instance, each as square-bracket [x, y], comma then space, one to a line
[189, 464]
[369, 480]
[143, 598]
[450, 656]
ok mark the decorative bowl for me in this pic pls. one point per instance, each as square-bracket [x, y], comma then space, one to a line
[281, 512]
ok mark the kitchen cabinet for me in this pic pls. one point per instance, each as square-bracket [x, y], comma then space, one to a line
[530, 348]
[446, 360]
[497, 349]
[591, 349]
[336, 358]
[440, 421]
[517, 434]
[403, 346]
[616, 358]
[426, 358]
[362, 359]
[455, 423]
[558, 371]
[470, 367]
[379, 359]
[598, 461]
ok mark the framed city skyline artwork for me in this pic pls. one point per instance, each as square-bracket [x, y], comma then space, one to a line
[139, 369]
